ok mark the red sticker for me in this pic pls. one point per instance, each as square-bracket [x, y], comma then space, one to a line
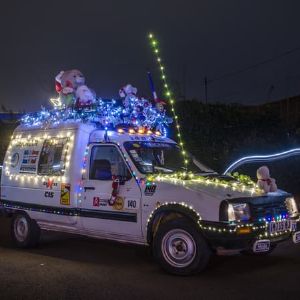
[96, 201]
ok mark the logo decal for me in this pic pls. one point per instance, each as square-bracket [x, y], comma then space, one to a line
[14, 160]
[49, 194]
[65, 194]
[96, 201]
[150, 190]
[50, 183]
[119, 203]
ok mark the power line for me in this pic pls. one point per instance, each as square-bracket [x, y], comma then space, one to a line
[266, 61]
[257, 86]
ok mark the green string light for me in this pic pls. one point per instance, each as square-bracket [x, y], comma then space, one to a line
[167, 92]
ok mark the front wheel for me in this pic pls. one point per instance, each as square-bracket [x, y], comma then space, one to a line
[179, 248]
[25, 232]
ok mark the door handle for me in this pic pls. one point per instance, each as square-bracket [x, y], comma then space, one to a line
[92, 188]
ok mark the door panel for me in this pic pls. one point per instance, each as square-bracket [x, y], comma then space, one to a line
[101, 212]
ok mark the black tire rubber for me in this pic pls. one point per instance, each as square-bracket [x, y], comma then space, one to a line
[34, 232]
[203, 252]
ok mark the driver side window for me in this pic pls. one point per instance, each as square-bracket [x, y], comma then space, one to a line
[106, 161]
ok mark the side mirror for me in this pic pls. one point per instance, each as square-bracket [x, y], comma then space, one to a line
[124, 178]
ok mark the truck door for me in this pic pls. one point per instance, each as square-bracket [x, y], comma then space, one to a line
[111, 203]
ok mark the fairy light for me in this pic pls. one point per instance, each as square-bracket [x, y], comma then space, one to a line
[167, 92]
[243, 185]
[20, 141]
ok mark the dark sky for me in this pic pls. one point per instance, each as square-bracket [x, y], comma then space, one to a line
[107, 41]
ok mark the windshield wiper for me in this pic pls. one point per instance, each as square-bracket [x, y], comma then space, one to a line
[163, 169]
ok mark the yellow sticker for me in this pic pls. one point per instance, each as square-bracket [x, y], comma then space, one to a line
[119, 203]
[65, 194]
[136, 145]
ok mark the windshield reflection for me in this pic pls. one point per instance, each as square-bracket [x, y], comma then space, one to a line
[159, 157]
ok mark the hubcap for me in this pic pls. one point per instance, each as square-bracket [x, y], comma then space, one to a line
[178, 248]
[21, 228]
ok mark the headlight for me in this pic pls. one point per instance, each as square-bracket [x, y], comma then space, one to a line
[291, 206]
[238, 212]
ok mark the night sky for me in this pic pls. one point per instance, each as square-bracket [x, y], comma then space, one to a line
[107, 41]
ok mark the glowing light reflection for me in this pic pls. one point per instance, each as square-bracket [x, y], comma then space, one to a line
[262, 158]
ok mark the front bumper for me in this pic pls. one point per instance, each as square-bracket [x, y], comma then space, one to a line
[222, 235]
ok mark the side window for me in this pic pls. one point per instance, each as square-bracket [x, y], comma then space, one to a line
[106, 161]
[53, 157]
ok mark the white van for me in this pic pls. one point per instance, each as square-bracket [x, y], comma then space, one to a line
[130, 186]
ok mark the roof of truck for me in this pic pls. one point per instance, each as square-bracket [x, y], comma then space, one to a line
[99, 135]
[68, 125]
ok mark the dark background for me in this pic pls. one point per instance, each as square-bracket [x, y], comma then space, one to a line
[249, 51]
[107, 41]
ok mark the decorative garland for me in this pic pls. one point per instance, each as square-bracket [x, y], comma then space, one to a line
[238, 182]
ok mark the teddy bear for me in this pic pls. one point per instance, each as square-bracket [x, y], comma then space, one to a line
[128, 92]
[66, 84]
[160, 105]
[85, 97]
[264, 180]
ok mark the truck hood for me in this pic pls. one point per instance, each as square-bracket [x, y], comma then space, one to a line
[219, 191]
[204, 195]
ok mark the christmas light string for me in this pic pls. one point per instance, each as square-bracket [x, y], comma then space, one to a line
[167, 92]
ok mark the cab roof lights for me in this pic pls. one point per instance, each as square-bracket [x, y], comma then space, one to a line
[141, 130]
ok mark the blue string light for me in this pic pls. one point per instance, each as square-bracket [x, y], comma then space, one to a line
[106, 114]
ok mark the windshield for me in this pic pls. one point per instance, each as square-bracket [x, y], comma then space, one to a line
[158, 157]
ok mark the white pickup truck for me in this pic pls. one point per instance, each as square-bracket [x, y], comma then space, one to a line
[130, 186]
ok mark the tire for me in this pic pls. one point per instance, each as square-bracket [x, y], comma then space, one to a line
[179, 248]
[25, 232]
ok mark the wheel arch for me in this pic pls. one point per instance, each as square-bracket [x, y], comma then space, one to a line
[166, 212]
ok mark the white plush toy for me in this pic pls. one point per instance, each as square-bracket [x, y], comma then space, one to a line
[84, 97]
[128, 92]
[264, 180]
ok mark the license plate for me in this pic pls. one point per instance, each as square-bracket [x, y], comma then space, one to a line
[281, 226]
[261, 246]
[296, 237]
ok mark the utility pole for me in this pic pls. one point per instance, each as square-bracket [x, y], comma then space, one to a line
[205, 87]
[270, 91]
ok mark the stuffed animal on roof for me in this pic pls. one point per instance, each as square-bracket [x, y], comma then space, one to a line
[160, 105]
[264, 180]
[85, 97]
[66, 84]
[128, 92]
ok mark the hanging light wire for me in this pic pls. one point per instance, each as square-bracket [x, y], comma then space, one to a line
[167, 92]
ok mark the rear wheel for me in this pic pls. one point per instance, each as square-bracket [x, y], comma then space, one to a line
[180, 249]
[25, 232]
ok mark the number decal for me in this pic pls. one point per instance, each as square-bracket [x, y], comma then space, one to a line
[132, 204]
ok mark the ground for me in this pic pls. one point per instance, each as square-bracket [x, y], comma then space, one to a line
[74, 267]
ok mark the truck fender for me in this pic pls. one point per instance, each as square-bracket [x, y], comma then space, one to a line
[166, 212]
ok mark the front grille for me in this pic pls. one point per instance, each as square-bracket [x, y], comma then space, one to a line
[269, 211]
[268, 207]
